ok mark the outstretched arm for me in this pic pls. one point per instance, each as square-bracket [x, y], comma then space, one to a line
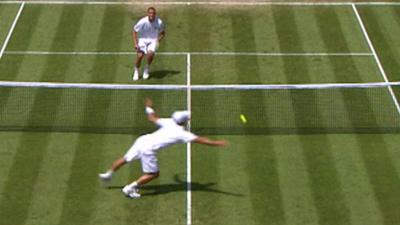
[151, 115]
[207, 141]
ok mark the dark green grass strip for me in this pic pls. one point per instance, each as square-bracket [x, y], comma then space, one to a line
[374, 151]
[383, 177]
[25, 28]
[325, 185]
[18, 190]
[23, 175]
[207, 208]
[265, 191]
[79, 201]
[65, 38]
[384, 49]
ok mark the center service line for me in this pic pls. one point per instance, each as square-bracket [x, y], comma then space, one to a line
[188, 147]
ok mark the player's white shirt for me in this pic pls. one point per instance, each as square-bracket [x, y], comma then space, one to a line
[149, 30]
[168, 133]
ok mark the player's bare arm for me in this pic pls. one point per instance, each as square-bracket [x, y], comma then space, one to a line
[207, 141]
[135, 39]
[151, 115]
[161, 36]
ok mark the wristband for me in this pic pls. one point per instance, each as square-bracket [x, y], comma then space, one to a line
[149, 110]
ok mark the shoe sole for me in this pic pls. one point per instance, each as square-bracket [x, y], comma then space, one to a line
[128, 196]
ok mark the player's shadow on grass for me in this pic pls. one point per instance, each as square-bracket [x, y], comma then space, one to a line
[160, 74]
[180, 186]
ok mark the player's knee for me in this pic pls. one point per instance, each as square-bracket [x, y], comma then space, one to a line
[150, 54]
[156, 174]
[140, 55]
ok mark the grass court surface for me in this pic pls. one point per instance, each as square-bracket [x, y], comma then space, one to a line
[304, 156]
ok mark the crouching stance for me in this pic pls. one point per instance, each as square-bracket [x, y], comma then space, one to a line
[170, 131]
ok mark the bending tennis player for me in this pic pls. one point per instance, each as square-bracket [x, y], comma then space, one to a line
[171, 131]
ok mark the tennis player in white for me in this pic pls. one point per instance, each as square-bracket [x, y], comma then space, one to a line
[171, 131]
[146, 34]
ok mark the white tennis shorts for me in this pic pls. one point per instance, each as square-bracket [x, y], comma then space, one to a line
[146, 45]
[148, 158]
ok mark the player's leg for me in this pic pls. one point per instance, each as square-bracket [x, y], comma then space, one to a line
[146, 71]
[141, 51]
[146, 178]
[138, 62]
[151, 49]
[114, 167]
[150, 172]
[132, 154]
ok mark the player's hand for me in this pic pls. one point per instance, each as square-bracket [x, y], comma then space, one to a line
[148, 102]
[157, 44]
[222, 143]
[136, 46]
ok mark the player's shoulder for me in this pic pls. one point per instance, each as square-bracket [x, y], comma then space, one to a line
[159, 20]
[143, 20]
[165, 122]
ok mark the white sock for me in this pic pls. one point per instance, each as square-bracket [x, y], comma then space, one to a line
[136, 69]
[146, 68]
[133, 184]
[109, 172]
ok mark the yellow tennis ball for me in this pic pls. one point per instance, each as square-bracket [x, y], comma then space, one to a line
[243, 118]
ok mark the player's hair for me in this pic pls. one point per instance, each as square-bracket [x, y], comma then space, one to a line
[151, 8]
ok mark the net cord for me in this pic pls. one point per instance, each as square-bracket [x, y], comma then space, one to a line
[15, 84]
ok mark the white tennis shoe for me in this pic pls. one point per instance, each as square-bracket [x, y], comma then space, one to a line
[131, 192]
[105, 176]
[146, 74]
[135, 75]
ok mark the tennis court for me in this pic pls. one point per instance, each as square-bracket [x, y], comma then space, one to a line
[315, 80]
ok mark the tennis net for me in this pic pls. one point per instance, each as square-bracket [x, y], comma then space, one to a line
[269, 109]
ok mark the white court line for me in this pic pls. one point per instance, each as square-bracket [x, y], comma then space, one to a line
[240, 3]
[11, 30]
[378, 62]
[189, 147]
[197, 53]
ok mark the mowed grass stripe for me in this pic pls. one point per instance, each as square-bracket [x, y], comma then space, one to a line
[45, 207]
[16, 198]
[261, 187]
[383, 27]
[90, 27]
[32, 67]
[294, 181]
[10, 72]
[41, 96]
[66, 33]
[355, 180]
[7, 153]
[27, 23]
[384, 172]
[391, 141]
[80, 199]
[39, 207]
[7, 15]
[325, 185]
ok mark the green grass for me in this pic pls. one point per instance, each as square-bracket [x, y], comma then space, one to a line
[7, 15]
[304, 156]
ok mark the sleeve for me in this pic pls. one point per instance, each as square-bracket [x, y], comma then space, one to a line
[161, 25]
[138, 26]
[161, 122]
[187, 136]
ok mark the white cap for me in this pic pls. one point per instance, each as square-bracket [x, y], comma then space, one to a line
[181, 116]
